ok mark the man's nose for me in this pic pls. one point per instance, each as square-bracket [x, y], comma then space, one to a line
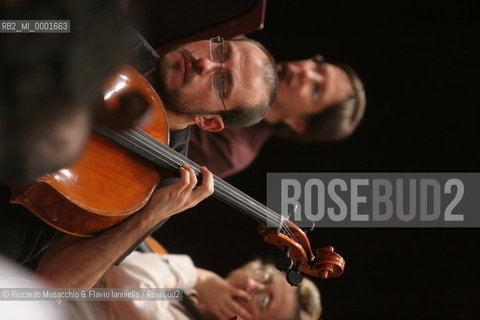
[252, 285]
[305, 71]
[205, 66]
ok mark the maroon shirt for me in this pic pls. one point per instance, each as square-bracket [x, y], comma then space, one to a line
[229, 151]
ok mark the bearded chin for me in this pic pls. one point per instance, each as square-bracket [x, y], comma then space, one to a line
[173, 100]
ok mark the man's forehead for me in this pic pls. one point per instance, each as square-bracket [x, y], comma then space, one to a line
[284, 299]
[339, 76]
[244, 42]
[248, 66]
[339, 86]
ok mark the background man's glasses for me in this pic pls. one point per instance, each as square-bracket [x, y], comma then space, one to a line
[262, 276]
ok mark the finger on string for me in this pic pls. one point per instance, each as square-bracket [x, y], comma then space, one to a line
[193, 177]
[184, 178]
[206, 188]
[207, 179]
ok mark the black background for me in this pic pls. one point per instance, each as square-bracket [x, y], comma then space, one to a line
[419, 61]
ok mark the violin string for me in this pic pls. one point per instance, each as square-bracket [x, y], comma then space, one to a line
[288, 232]
[221, 185]
[158, 150]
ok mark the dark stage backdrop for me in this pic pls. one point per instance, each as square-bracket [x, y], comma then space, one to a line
[420, 64]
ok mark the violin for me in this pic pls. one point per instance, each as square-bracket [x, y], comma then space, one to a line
[119, 171]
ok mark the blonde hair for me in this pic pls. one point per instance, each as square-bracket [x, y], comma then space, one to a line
[309, 301]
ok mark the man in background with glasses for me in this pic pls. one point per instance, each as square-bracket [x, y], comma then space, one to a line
[317, 101]
[255, 291]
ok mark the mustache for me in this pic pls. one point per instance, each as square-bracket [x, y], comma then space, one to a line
[283, 71]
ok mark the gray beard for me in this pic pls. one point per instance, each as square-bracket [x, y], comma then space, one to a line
[173, 100]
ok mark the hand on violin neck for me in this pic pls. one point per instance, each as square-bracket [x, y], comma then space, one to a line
[180, 196]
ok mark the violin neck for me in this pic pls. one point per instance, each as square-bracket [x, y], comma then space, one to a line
[165, 157]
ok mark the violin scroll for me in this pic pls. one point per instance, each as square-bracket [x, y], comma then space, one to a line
[328, 263]
[298, 257]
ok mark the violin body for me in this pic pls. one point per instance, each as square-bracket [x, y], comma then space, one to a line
[108, 183]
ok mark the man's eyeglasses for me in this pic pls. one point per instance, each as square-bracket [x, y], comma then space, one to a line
[262, 276]
[217, 54]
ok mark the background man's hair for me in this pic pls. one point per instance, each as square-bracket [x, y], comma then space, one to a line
[337, 121]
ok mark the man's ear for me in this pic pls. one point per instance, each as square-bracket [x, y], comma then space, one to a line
[298, 125]
[211, 122]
